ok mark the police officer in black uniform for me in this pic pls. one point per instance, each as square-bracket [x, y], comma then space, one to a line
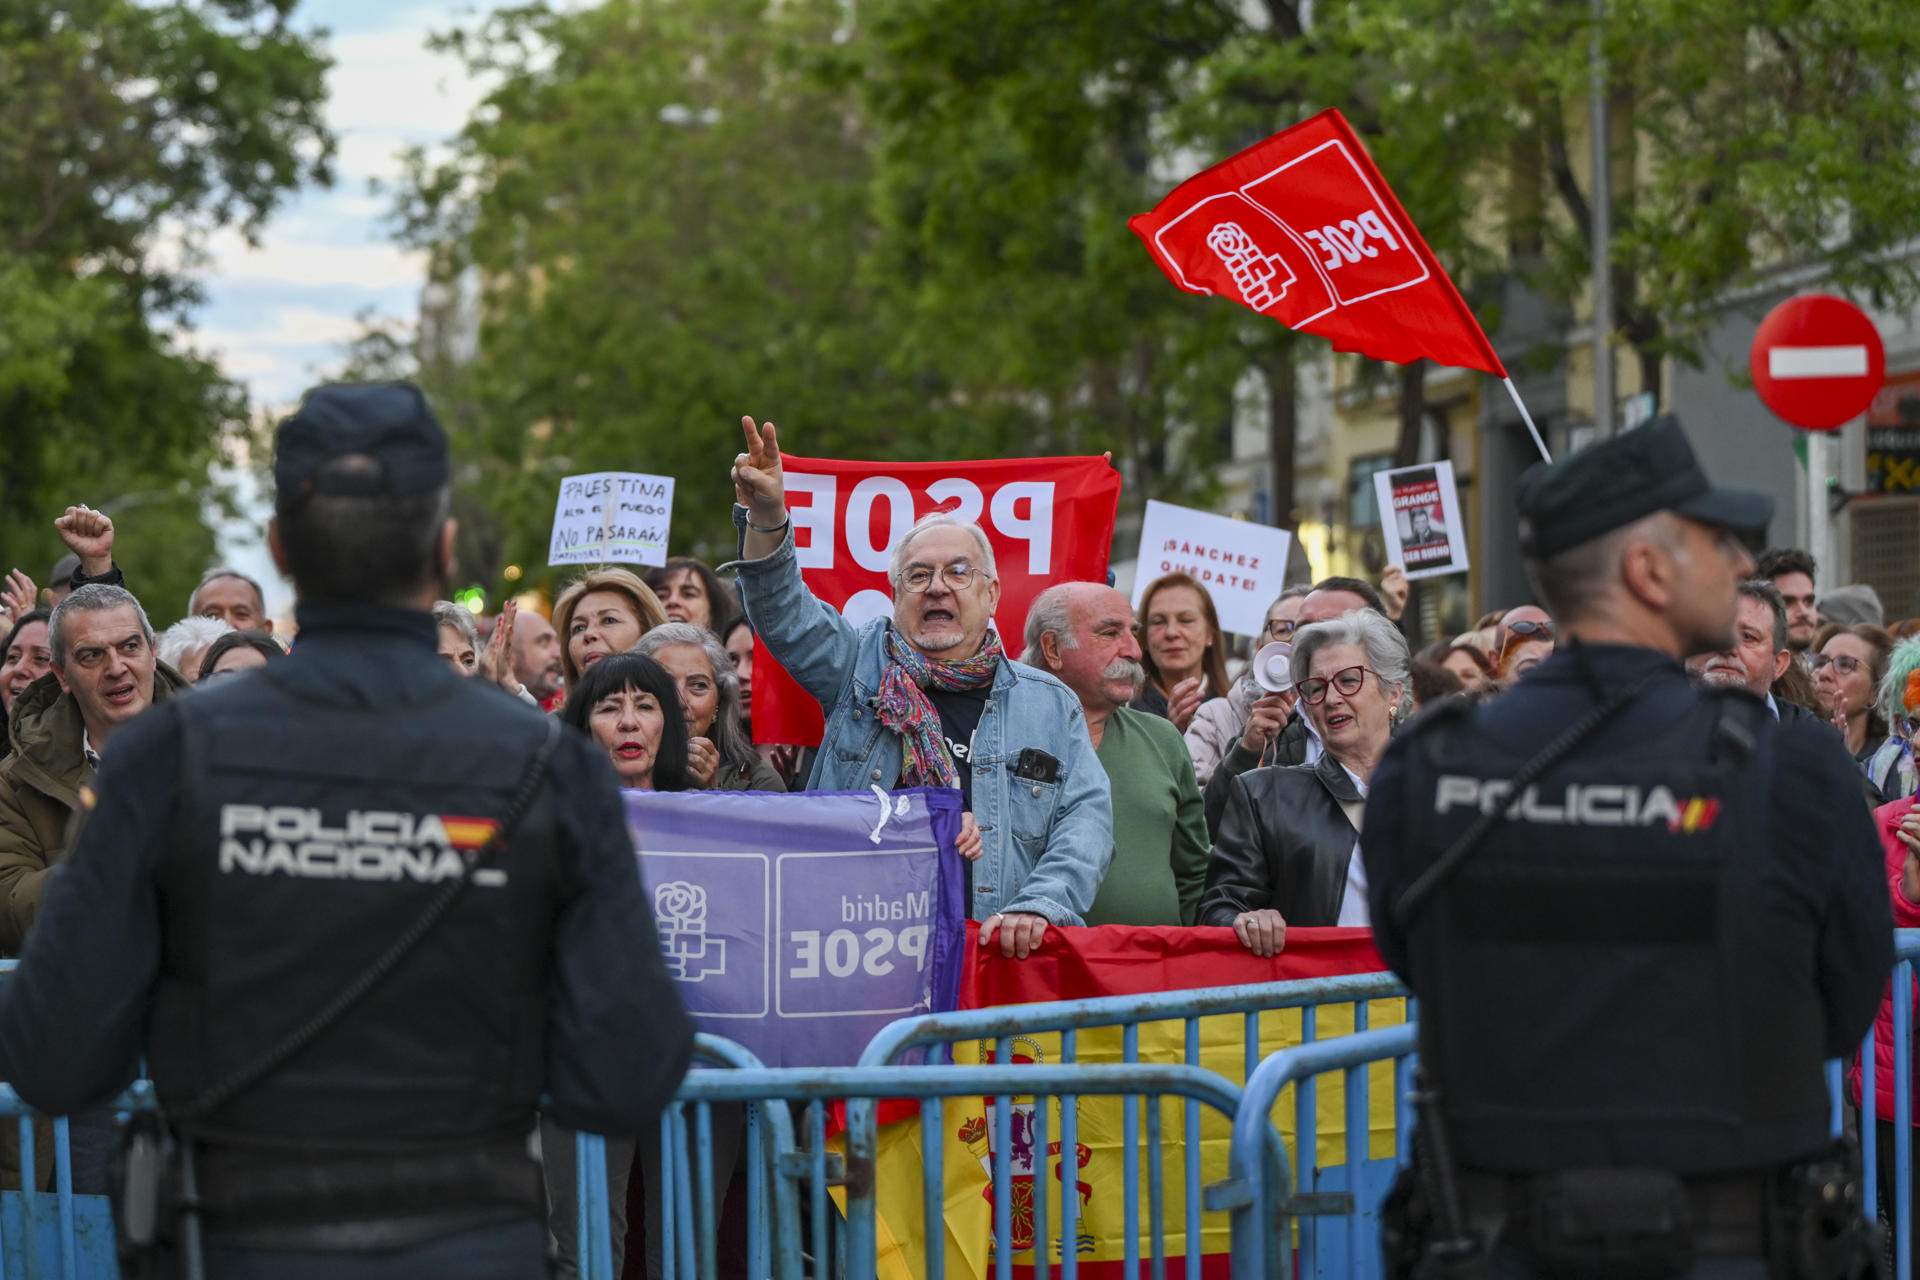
[1638, 916]
[358, 914]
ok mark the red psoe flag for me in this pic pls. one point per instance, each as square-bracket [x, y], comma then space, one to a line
[1302, 228]
[1048, 519]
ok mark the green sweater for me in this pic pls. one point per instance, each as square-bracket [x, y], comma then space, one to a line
[1160, 847]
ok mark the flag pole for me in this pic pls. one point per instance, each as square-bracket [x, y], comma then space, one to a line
[1527, 418]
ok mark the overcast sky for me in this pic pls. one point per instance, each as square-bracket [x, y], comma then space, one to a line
[279, 313]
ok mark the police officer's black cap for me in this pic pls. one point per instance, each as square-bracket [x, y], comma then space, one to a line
[389, 423]
[1611, 484]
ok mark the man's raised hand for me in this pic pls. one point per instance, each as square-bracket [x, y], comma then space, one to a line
[759, 485]
[89, 535]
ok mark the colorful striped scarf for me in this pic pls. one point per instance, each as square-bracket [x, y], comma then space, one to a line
[903, 705]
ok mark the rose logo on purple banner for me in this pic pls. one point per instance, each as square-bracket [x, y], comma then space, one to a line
[794, 924]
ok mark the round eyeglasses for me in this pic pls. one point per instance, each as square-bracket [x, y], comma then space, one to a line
[957, 576]
[1348, 680]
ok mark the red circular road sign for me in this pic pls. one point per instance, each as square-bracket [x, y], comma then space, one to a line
[1817, 361]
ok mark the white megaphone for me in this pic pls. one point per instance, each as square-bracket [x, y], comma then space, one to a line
[1273, 667]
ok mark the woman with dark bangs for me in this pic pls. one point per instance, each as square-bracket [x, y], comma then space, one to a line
[626, 703]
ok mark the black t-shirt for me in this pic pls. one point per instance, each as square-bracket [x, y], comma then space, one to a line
[960, 713]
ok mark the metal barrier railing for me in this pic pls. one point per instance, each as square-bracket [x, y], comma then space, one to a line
[932, 1086]
[935, 1032]
[1270, 1198]
[1263, 1193]
[895, 1040]
[690, 1223]
[1906, 949]
[783, 1168]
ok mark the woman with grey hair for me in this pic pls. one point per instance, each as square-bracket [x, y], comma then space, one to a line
[183, 645]
[459, 637]
[719, 757]
[468, 655]
[1288, 849]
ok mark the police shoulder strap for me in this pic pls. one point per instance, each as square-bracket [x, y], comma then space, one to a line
[1736, 731]
[1416, 894]
[236, 1082]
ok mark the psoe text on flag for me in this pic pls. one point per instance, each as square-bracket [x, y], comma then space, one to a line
[1303, 228]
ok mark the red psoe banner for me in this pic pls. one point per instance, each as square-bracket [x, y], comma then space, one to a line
[1302, 228]
[1049, 520]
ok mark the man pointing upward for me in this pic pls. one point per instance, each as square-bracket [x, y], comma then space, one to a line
[928, 698]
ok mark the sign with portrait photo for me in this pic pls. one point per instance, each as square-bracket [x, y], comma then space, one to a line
[1420, 518]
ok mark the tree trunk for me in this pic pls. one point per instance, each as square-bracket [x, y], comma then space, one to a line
[1413, 413]
[1406, 451]
[1650, 364]
[1282, 423]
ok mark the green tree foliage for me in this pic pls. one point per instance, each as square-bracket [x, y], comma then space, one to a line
[129, 133]
[900, 229]
[1748, 136]
[660, 214]
[902, 237]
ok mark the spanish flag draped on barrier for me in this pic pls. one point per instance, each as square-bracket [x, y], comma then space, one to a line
[1110, 961]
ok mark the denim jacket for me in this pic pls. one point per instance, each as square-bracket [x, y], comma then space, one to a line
[1046, 844]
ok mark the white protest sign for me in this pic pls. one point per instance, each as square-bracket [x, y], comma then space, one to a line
[1241, 564]
[612, 517]
[1420, 516]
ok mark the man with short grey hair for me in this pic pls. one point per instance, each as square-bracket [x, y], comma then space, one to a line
[927, 698]
[1083, 633]
[105, 673]
[233, 597]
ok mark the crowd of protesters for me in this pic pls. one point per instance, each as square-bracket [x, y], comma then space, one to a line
[1127, 766]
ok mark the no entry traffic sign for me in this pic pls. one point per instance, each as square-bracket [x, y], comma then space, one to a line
[1817, 361]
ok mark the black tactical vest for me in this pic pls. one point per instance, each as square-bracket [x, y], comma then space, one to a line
[1617, 976]
[313, 836]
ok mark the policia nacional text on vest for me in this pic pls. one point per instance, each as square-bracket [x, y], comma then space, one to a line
[1629, 975]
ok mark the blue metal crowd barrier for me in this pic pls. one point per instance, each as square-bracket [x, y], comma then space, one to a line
[935, 1034]
[690, 1223]
[1906, 948]
[932, 1086]
[1278, 1200]
[787, 1170]
[57, 1232]
[1265, 1196]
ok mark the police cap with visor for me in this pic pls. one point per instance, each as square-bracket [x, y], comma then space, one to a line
[388, 423]
[1628, 477]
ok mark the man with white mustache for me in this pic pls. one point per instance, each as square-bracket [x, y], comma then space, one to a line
[1083, 633]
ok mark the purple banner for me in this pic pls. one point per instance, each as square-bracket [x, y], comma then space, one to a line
[798, 925]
